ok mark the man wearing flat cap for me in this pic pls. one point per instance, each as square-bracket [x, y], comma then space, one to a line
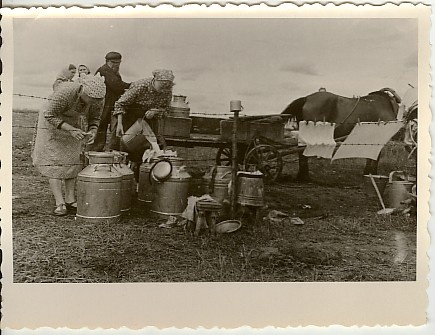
[115, 87]
[146, 98]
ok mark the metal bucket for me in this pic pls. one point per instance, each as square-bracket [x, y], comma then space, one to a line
[250, 189]
[127, 182]
[215, 182]
[170, 195]
[134, 140]
[398, 191]
[99, 193]
[381, 183]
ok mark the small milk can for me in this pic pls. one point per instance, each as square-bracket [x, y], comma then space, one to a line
[398, 190]
[127, 182]
[215, 183]
[99, 189]
[250, 189]
[170, 188]
[179, 107]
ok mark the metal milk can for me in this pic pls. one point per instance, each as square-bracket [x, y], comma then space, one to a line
[215, 182]
[99, 189]
[398, 190]
[179, 107]
[171, 191]
[127, 183]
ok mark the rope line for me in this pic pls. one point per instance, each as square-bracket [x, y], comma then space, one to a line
[129, 108]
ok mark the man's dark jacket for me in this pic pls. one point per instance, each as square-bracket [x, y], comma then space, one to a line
[115, 87]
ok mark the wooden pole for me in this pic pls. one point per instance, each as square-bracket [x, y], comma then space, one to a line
[235, 107]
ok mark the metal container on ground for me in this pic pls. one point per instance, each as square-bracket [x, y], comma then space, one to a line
[145, 190]
[127, 182]
[398, 190]
[99, 189]
[179, 107]
[170, 195]
[250, 189]
[215, 182]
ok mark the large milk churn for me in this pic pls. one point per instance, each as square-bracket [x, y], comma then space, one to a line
[215, 182]
[398, 190]
[170, 188]
[99, 189]
[179, 107]
[250, 189]
[127, 182]
[145, 191]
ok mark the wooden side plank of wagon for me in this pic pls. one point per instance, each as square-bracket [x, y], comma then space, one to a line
[198, 140]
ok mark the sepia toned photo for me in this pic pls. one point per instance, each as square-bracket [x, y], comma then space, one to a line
[232, 150]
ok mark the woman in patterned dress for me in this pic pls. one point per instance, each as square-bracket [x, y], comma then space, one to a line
[59, 137]
[146, 98]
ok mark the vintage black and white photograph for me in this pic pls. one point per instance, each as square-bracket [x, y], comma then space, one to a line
[217, 150]
[183, 156]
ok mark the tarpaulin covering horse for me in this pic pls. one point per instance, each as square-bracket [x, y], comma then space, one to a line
[345, 112]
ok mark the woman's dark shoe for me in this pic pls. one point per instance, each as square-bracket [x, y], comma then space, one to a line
[71, 207]
[60, 210]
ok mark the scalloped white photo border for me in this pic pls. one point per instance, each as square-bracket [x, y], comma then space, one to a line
[118, 305]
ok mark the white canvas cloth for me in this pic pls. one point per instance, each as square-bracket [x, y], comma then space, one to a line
[367, 139]
[318, 137]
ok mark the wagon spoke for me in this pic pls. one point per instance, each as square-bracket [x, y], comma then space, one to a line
[266, 159]
[223, 157]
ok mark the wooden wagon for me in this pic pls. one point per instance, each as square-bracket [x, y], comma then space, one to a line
[261, 143]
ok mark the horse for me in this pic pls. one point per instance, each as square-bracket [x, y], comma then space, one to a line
[381, 105]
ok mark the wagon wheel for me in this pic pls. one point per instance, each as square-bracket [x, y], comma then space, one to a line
[266, 159]
[223, 157]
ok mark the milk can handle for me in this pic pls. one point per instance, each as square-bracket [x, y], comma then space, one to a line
[392, 173]
[108, 165]
[212, 179]
[225, 174]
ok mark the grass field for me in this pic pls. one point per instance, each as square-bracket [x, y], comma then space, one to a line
[342, 238]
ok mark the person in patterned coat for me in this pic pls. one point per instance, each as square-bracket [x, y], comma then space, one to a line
[146, 98]
[60, 138]
[115, 87]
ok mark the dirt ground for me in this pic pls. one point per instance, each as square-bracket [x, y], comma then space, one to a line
[341, 238]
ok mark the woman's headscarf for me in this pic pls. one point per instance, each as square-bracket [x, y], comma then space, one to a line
[64, 76]
[94, 86]
[82, 76]
[87, 69]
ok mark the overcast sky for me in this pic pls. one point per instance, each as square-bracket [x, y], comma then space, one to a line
[266, 63]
